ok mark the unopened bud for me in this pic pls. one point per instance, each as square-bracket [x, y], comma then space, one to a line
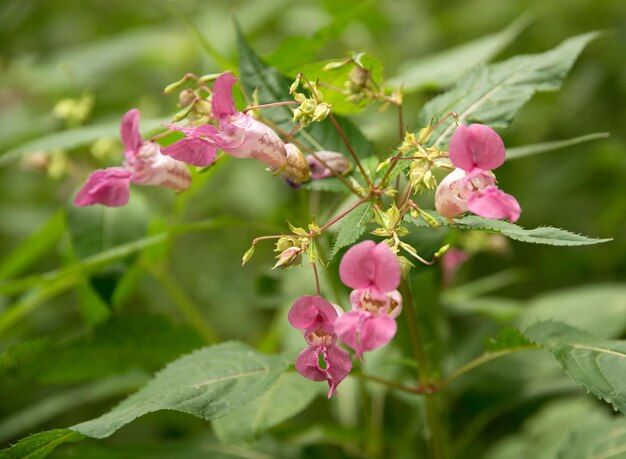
[358, 76]
[186, 97]
[209, 77]
[335, 65]
[248, 255]
[290, 257]
[442, 251]
[321, 112]
[184, 113]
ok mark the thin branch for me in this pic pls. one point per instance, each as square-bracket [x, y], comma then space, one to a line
[343, 214]
[350, 149]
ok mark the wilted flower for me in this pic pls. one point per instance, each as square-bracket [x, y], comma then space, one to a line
[323, 359]
[475, 150]
[338, 162]
[144, 165]
[374, 272]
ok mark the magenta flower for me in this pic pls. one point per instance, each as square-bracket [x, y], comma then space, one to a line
[475, 150]
[323, 359]
[374, 272]
[239, 134]
[144, 165]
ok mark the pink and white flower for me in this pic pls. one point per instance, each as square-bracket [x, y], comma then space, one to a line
[239, 134]
[374, 272]
[144, 165]
[475, 150]
[323, 359]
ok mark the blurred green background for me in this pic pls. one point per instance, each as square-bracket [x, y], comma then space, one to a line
[115, 55]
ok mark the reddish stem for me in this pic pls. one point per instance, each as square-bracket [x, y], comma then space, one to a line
[350, 149]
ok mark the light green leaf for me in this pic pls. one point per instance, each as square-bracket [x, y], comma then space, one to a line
[598, 309]
[506, 339]
[542, 235]
[331, 184]
[352, 227]
[597, 365]
[290, 395]
[445, 67]
[76, 137]
[208, 383]
[528, 150]
[606, 440]
[39, 445]
[492, 94]
[33, 247]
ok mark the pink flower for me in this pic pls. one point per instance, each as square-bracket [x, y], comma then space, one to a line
[144, 165]
[323, 359]
[338, 162]
[374, 272]
[475, 150]
[239, 134]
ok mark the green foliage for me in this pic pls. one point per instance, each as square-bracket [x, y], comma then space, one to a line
[492, 94]
[119, 345]
[207, 383]
[441, 69]
[506, 339]
[41, 444]
[542, 235]
[606, 440]
[290, 395]
[597, 365]
[597, 309]
[33, 247]
[528, 150]
[352, 227]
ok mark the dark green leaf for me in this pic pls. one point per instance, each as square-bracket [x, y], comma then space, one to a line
[507, 338]
[542, 235]
[606, 440]
[39, 445]
[352, 227]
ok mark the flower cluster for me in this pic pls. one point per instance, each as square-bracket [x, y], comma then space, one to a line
[373, 271]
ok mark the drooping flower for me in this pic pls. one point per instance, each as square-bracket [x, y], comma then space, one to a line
[374, 272]
[475, 150]
[323, 359]
[144, 165]
[239, 134]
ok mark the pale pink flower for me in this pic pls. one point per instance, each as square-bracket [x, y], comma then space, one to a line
[374, 272]
[475, 150]
[338, 162]
[240, 135]
[323, 359]
[144, 165]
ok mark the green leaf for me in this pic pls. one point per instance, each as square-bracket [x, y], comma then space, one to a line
[119, 345]
[272, 86]
[507, 338]
[528, 150]
[74, 138]
[606, 318]
[492, 94]
[605, 440]
[331, 184]
[33, 247]
[290, 395]
[207, 383]
[542, 235]
[597, 365]
[443, 68]
[39, 445]
[352, 227]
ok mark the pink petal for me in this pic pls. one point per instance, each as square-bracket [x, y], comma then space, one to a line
[494, 203]
[476, 146]
[222, 102]
[109, 187]
[339, 365]
[347, 328]
[448, 200]
[129, 130]
[357, 268]
[307, 364]
[192, 150]
[387, 269]
[377, 332]
[309, 310]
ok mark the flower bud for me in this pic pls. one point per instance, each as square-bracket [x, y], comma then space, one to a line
[186, 97]
[290, 257]
[248, 255]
